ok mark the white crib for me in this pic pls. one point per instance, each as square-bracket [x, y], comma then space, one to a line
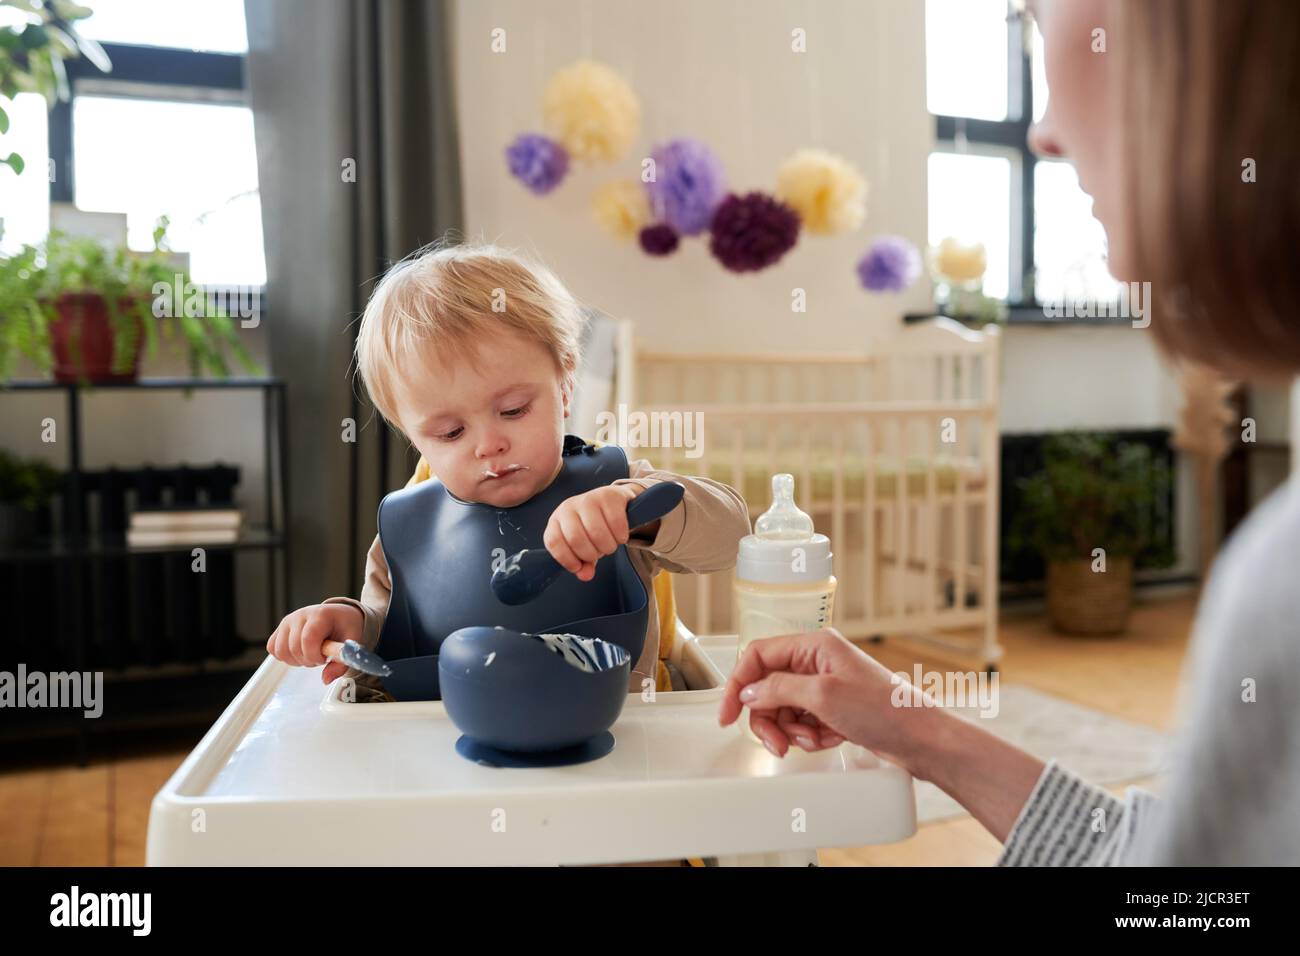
[895, 455]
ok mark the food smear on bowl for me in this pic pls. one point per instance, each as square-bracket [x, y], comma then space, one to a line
[588, 654]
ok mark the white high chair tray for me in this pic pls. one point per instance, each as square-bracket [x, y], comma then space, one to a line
[284, 777]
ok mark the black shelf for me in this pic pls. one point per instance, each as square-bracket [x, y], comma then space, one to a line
[144, 384]
[84, 562]
[94, 546]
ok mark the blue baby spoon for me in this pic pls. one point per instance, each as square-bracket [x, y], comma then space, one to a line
[356, 656]
[523, 576]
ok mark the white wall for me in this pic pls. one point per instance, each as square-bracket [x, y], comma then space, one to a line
[1085, 377]
[722, 71]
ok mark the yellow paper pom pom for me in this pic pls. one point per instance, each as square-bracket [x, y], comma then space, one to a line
[621, 207]
[957, 262]
[827, 192]
[591, 110]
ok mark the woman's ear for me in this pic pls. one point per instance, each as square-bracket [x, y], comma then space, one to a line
[566, 394]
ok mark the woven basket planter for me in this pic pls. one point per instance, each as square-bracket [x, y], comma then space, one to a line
[1083, 601]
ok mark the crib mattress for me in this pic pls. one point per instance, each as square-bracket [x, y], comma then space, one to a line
[757, 470]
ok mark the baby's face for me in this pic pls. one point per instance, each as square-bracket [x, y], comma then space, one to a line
[491, 431]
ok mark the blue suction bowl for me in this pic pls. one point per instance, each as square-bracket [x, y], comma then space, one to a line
[510, 691]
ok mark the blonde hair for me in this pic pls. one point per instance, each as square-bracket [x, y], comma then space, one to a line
[1209, 86]
[445, 300]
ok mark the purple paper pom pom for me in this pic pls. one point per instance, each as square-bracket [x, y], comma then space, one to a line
[537, 161]
[890, 265]
[688, 185]
[659, 239]
[753, 231]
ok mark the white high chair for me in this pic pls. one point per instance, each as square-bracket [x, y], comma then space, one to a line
[292, 772]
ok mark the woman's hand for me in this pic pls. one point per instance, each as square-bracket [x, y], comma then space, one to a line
[817, 690]
[298, 639]
[589, 526]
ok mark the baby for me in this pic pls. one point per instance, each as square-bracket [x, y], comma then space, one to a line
[472, 353]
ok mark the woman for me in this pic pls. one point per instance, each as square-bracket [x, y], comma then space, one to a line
[1179, 117]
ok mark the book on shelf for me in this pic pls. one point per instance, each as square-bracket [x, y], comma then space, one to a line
[154, 538]
[184, 517]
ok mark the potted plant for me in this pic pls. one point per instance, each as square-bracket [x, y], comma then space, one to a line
[957, 273]
[87, 311]
[23, 330]
[24, 487]
[32, 52]
[1093, 492]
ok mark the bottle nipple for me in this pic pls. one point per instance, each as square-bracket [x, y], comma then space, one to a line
[783, 521]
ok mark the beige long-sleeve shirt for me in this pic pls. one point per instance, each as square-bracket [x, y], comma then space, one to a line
[702, 534]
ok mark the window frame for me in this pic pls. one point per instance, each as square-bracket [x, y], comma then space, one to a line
[1008, 135]
[1015, 166]
[140, 72]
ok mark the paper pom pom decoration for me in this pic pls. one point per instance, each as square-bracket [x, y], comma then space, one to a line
[958, 263]
[621, 208]
[537, 161]
[827, 192]
[592, 115]
[753, 231]
[688, 185]
[890, 265]
[658, 240]
[592, 111]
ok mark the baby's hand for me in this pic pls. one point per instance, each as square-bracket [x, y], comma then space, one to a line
[586, 527]
[298, 639]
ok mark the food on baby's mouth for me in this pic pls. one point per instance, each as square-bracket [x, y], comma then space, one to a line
[504, 472]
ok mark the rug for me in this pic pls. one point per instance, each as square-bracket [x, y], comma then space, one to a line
[1101, 748]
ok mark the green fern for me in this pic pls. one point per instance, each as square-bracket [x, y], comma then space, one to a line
[33, 280]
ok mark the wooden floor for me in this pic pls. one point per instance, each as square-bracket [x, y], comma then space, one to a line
[98, 815]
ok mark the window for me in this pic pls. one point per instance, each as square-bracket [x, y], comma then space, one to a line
[213, 25]
[970, 196]
[25, 199]
[205, 182]
[168, 131]
[985, 83]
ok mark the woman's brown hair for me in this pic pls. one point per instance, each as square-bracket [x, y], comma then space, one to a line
[1212, 160]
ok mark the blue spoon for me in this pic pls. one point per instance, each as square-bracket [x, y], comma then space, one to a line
[523, 576]
[354, 655]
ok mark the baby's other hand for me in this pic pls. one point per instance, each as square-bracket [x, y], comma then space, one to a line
[589, 526]
[299, 637]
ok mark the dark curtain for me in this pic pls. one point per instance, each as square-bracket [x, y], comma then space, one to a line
[343, 87]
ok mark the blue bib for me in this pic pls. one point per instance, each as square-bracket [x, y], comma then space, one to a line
[441, 552]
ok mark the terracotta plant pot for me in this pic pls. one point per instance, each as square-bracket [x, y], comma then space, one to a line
[1083, 601]
[83, 318]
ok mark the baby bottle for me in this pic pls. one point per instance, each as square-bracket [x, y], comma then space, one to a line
[784, 583]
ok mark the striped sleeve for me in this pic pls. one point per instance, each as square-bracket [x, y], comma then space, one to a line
[1069, 822]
